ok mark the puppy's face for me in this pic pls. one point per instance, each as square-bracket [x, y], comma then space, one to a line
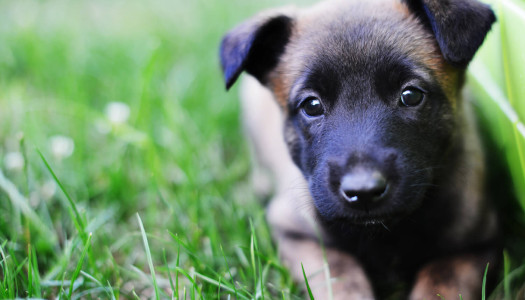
[370, 109]
[370, 97]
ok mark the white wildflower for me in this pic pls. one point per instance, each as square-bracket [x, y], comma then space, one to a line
[117, 112]
[61, 146]
[14, 161]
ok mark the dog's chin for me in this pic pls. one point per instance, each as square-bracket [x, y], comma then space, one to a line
[344, 215]
[384, 216]
[368, 221]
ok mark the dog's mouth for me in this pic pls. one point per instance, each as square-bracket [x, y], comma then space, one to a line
[369, 218]
[373, 220]
[374, 224]
[370, 222]
[383, 212]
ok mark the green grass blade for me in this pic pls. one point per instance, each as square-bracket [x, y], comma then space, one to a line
[8, 288]
[177, 264]
[148, 256]
[252, 260]
[256, 264]
[20, 266]
[26, 169]
[218, 284]
[310, 294]
[189, 251]
[506, 277]
[36, 276]
[112, 291]
[229, 271]
[483, 286]
[192, 281]
[19, 201]
[168, 270]
[75, 215]
[219, 289]
[108, 290]
[192, 290]
[29, 272]
[87, 245]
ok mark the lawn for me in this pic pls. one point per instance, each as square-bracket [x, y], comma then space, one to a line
[123, 169]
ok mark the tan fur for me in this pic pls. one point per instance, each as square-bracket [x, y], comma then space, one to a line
[347, 280]
[461, 275]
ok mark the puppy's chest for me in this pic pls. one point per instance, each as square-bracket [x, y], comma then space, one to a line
[391, 257]
[389, 251]
[390, 262]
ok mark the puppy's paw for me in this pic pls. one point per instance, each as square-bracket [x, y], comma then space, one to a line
[449, 278]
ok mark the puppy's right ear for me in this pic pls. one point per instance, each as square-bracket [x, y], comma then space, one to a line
[255, 46]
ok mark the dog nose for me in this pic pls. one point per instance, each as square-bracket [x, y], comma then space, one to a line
[363, 187]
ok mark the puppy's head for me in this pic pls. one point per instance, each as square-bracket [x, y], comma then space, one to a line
[370, 93]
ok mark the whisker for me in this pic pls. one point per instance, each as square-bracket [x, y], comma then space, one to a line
[384, 225]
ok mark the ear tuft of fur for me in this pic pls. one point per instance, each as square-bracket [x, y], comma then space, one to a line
[460, 26]
[254, 46]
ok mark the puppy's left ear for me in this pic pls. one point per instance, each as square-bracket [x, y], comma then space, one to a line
[255, 46]
[460, 26]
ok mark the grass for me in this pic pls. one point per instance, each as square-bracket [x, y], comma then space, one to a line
[123, 170]
[68, 210]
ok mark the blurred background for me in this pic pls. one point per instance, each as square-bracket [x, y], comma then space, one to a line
[113, 108]
[123, 170]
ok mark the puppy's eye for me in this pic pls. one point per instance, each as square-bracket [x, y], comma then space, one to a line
[411, 96]
[312, 106]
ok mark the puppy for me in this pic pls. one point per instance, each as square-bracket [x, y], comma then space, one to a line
[354, 107]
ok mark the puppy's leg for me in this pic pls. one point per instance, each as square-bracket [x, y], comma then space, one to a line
[298, 243]
[347, 278]
[450, 277]
[273, 170]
